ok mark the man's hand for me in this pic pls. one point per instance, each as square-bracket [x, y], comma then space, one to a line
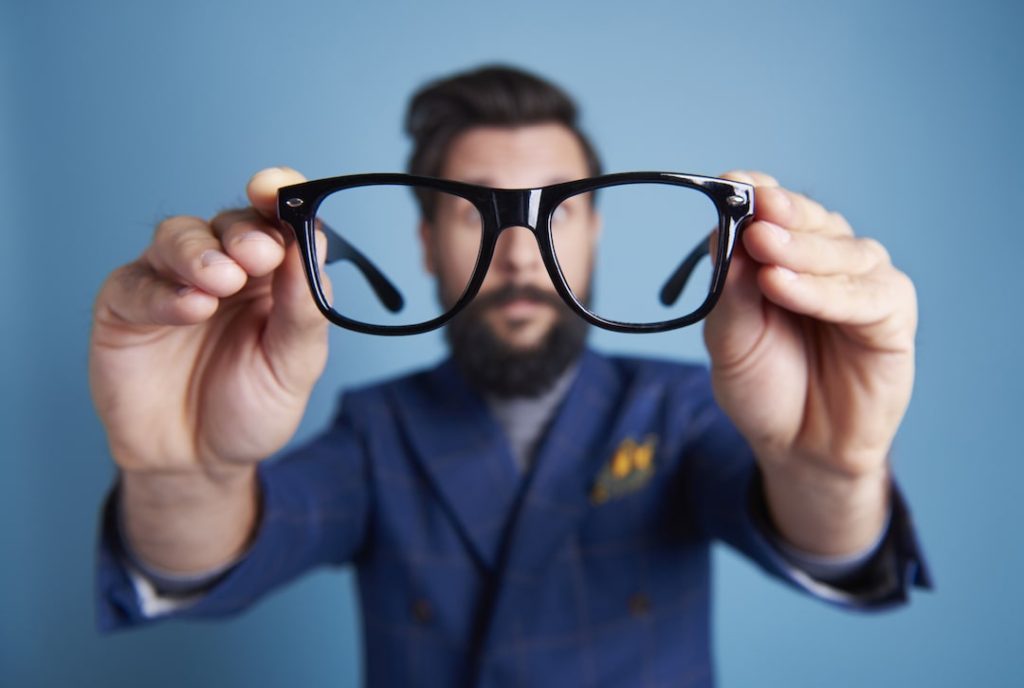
[812, 352]
[205, 349]
[204, 352]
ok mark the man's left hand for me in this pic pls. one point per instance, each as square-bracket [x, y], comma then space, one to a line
[812, 352]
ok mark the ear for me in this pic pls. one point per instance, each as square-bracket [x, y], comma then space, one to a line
[427, 244]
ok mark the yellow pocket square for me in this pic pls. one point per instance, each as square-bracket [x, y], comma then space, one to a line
[629, 469]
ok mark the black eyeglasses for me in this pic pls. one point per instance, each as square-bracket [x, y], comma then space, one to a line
[628, 252]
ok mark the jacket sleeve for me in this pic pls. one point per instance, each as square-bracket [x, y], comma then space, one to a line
[724, 486]
[314, 510]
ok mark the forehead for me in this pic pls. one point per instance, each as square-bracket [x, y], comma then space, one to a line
[516, 157]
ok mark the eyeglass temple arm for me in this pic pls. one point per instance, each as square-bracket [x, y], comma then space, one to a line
[338, 248]
[677, 281]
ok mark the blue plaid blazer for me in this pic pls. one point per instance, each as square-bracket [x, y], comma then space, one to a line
[591, 570]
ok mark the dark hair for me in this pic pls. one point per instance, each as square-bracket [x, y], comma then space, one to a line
[493, 95]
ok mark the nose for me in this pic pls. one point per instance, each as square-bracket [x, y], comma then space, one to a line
[517, 255]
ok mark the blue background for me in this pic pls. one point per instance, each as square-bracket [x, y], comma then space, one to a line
[904, 116]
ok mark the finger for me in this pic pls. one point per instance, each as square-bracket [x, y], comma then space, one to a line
[775, 204]
[752, 177]
[250, 240]
[295, 316]
[816, 254]
[135, 294]
[884, 298]
[262, 188]
[796, 212]
[185, 250]
[295, 338]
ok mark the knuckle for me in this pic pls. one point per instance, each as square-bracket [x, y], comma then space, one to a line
[763, 179]
[839, 221]
[876, 247]
[178, 237]
[230, 216]
[117, 281]
[875, 252]
[902, 299]
[174, 225]
[122, 286]
[129, 278]
[245, 228]
[906, 285]
[849, 284]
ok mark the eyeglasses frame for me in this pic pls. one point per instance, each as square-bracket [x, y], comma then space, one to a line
[500, 209]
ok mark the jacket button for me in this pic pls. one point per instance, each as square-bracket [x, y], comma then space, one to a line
[422, 611]
[639, 604]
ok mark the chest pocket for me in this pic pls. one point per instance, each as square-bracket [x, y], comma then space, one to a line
[625, 493]
[630, 468]
[636, 496]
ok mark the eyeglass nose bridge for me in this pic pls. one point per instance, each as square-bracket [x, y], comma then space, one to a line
[517, 208]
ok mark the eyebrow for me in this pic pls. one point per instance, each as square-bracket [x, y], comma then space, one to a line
[488, 181]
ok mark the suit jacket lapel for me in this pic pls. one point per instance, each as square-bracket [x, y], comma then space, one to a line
[555, 498]
[463, 453]
[557, 494]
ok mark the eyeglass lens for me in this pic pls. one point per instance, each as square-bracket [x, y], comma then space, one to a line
[378, 273]
[647, 230]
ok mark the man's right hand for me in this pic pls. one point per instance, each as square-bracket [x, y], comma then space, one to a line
[204, 353]
[205, 350]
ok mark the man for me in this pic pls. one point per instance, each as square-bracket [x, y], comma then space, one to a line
[479, 501]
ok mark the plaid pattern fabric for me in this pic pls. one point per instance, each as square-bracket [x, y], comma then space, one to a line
[593, 570]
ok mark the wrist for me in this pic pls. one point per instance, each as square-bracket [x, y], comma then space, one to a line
[180, 485]
[825, 512]
[186, 522]
[838, 476]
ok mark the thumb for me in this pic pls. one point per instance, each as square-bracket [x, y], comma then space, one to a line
[736, 323]
[295, 337]
[262, 188]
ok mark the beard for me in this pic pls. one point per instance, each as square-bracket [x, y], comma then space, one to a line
[495, 367]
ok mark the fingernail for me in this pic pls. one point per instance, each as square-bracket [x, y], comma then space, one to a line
[213, 257]
[252, 236]
[786, 274]
[781, 235]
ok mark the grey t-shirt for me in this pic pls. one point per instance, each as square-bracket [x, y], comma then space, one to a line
[524, 419]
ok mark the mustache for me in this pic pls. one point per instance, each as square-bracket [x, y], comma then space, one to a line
[511, 292]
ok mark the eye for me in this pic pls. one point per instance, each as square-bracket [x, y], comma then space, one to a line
[562, 214]
[469, 215]
[461, 213]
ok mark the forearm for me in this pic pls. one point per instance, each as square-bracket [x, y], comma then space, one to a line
[184, 523]
[826, 513]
